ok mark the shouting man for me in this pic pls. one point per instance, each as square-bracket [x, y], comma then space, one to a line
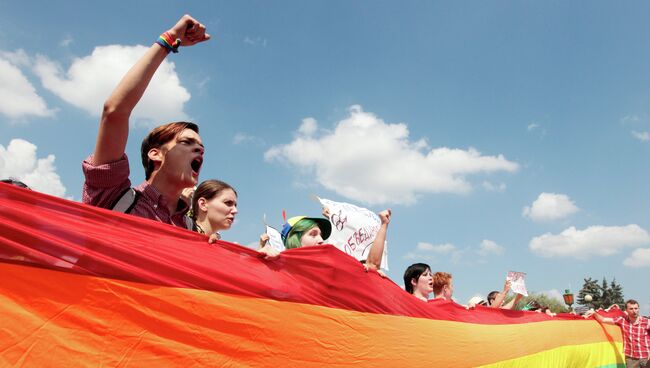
[172, 154]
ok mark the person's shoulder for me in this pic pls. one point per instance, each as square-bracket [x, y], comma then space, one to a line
[645, 320]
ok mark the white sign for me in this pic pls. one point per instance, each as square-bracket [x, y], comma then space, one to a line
[517, 284]
[275, 239]
[353, 229]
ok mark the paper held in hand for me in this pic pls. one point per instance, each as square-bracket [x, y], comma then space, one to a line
[517, 284]
[275, 239]
[353, 229]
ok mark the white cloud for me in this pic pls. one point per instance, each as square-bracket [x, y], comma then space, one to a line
[66, 41]
[243, 138]
[427, 252]
[255, 41]
[639, 258]
[432, 253]
[90, 80]
[439, 248]
[18, 97]
[368, 160]
[549, 207]
[19, 161]
[308, 127]
[535, 128]
[499, 188]
[592, 241]
[642, 136]
[630, 119]
[17, 58]
[488, 247]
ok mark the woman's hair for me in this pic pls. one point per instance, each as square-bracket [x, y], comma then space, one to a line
[208, 190]
[295, 234]
[440, 279]
[491, 296]
[414, 271]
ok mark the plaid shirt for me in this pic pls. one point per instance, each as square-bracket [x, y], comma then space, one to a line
[636, 336]
[106, 183]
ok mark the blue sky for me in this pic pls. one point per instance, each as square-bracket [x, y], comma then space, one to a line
[503, 135]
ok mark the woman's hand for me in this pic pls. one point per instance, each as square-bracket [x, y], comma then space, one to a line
[384, 216]
[267, 252]
[264, 238]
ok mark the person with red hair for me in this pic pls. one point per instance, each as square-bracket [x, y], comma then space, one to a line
[443, 288]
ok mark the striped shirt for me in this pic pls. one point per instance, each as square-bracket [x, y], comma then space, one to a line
[636, 336]
[106, 183]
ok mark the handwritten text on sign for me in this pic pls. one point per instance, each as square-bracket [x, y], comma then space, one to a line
[517, 283]
[353, 229]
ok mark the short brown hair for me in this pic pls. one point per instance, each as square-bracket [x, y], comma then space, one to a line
[208, 190]
[631, 301]
[159, 136]
[440, 279]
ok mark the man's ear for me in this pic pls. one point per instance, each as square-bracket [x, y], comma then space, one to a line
[156, 156]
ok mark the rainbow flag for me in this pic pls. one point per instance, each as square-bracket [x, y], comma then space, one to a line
[82, 286]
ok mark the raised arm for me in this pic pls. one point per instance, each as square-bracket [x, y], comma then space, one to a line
[377, 247]
[511, 304]
[502, 296]
[114, 124]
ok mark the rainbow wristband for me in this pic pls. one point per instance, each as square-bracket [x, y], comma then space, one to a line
[165, 40]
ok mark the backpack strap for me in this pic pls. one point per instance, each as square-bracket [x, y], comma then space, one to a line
[189, 223]
[126, 201]
[129, 198]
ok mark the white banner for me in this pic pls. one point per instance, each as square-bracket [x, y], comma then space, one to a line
[517, 284]
[353, 229]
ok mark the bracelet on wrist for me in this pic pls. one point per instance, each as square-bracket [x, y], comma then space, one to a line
[167, 42]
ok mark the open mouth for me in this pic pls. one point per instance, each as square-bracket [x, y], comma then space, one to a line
[196, 164]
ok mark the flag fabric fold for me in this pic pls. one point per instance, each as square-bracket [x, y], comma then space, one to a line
[83, 286]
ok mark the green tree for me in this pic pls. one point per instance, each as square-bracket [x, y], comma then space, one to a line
[603, 294]
[544, 300]
[605, 299]
[616, 294]
[590, 287]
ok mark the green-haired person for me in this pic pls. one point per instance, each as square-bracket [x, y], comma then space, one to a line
[302, 231]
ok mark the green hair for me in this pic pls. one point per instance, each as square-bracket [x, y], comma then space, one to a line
[295, 234]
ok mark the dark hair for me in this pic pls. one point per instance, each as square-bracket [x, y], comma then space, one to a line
[631, 301]
[208, 190]
[15, 182]
[158, 137]
[491, 296]
[413, 272]
[440, 279]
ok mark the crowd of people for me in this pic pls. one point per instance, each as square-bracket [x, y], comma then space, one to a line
[172, 156]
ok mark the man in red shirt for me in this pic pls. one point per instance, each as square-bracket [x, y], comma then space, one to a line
[636, 334]
[172, 154]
